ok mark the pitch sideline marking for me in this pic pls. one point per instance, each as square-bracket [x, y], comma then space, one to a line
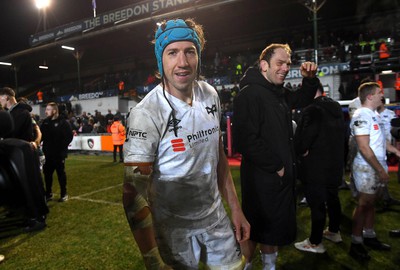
[80, 197]
[95, 201]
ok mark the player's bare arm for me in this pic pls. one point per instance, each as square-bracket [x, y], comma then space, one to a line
[228, 191]
[134, 198]
[369, 156]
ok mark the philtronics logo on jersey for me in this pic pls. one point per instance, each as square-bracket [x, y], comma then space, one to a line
[211, 110]
[178, 145]
[201, 136]
[174, 123]
[137, 134]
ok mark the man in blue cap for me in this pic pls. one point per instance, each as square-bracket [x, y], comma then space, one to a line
[176, 172]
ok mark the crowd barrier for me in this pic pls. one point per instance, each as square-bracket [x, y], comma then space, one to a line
[92, 142]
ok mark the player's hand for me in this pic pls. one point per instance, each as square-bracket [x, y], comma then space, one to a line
[241, 226]
[34, 145]
[383, 176]
[308, 69]
[281, 172]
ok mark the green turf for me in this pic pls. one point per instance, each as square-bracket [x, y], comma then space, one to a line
[90, 230]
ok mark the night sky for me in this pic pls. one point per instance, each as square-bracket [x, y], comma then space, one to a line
[20, 18]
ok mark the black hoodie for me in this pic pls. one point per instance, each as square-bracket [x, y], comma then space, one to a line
[23, 127]
[321, 132]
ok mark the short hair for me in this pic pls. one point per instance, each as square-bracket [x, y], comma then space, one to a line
[7, 91]
[269, 51]
[23, 100]
[366, 89]
[54, 105]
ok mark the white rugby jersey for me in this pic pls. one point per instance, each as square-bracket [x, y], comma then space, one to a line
[354, 105]
[367, 122]
[386, 116]
[184, 187]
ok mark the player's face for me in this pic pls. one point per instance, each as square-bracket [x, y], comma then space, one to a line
[3, 101]
[50, 112]
[377, 97]
[180, 60]
[275, 72]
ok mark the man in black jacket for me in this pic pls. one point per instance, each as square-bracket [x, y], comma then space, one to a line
[263, 134]
[20, 140]
[56, 136]
[20, 112]
[319, 142]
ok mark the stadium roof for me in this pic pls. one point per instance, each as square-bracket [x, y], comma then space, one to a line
[230, 25]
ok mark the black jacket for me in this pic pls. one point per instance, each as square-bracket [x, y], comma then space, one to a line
[23, 127]
[321, 132]
[56, 136]
[263, 134]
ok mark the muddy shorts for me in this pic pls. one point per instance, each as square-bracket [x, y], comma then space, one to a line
[366, 178]
[216, 247]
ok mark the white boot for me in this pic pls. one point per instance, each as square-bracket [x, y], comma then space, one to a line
[269, 260]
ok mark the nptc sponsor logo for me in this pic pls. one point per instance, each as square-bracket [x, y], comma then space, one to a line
[137, 134]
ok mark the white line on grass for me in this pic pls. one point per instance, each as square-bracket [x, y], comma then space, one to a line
[96, 201]
[99, 190]
[96, 191]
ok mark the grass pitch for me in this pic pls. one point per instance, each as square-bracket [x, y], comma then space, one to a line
[90, 230]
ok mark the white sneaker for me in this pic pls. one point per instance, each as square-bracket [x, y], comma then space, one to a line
[334, 237]
[307, 246]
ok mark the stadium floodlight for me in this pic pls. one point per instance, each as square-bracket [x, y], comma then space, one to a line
[42, 4]
[43, 67]
[68, 48]
[5, 64]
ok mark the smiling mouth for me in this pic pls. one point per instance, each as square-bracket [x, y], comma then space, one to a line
[182, 74]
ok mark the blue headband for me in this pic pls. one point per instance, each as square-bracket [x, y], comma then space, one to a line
[175, 30]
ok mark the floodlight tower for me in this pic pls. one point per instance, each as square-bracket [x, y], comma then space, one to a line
[314, 7]
[42, 5]
[77, 55]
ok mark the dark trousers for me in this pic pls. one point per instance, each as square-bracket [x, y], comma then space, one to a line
[120, 148]
[322, 201]
[58, 165]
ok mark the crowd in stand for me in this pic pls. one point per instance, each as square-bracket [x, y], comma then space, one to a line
[339, 46]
